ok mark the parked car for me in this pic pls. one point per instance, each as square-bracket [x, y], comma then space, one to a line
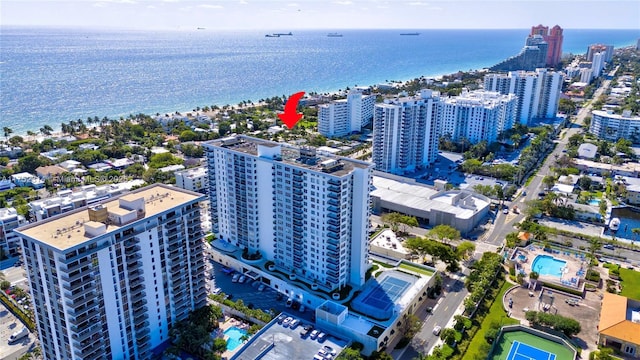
[294, 323]
[322, 337]
[286, 321]
[235, 278]
[330, 350]
[608, 247]
[429, 309]
[302, 308]
[505, 210]
[18, 335]
[261, 287]
[314, 334]
[242, 279]
[281, 318]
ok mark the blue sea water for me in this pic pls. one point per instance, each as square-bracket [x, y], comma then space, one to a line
[49, 76]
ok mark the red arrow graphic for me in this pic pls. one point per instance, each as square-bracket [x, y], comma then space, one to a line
[290, 117]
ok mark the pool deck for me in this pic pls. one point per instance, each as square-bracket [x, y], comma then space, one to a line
[230, 322]
[574, 268]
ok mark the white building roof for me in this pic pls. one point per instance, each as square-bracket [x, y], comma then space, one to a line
[423, 198]
[587, 151]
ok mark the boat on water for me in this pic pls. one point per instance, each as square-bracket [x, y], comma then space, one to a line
[614, 224]
[334, 35]
[284, 34]
[272, 35]
[410, 34]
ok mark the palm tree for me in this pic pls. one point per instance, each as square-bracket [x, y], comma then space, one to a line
[7, 131]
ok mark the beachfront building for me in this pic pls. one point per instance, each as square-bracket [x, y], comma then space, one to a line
[531, 57]
[346, 116]
[306, 213]
[194, 179]
[598, 63]
[10, 220]
[477, 115]
[68, 199]
[610, 126]
[537, 92]
[108, 281]
[406, 132]
[553, 37]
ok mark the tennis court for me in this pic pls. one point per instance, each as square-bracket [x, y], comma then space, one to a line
[522, 345]
[520, 351]
[380, 295]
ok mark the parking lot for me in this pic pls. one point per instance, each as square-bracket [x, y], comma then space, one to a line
[586, 311]
[284, 342]
[8, 325]
[267, 300]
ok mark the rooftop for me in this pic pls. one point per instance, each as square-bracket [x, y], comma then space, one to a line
[67, 230]
[276, 342]
[303, 157]
[462, 203]
[619, 318]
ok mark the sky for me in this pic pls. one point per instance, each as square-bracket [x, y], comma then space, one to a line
[316, 14]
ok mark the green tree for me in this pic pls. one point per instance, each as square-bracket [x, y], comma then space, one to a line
[188, 135]
[31, 162]
[465, 249]
[567, 106]
[392, 219]
[349, 354]
[549, 181]
[448, 335]
[585, 183]
[445, 233]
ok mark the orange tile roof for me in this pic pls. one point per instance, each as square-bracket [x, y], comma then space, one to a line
[613, 319]
[524, 236]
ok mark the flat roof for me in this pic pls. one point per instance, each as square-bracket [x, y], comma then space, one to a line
[289, 154]
[423, 198]
[67, 230]
[381, 295]
[276, 342]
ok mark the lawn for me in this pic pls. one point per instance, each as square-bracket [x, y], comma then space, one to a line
[496, 314]
[630, 283]
[416, 269]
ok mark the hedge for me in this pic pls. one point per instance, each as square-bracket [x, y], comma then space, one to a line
[17, 311]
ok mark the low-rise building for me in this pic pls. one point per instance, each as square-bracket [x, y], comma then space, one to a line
[619, 326]
[120, 164]
[194, 179]
[461, 209]
[26, 179]
[630, 169]
[587, 151]
[54, 154]
[610, 126]
[9, 220]
[67, 200]
[49, 172]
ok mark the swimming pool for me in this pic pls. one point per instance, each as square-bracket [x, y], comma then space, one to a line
[548, 265]
[594, 202]
[235, 335]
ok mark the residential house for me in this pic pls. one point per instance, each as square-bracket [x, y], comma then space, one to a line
[51, 171]
[26, 179]
[619, 326]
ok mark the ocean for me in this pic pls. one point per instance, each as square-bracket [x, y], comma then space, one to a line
[50, 76]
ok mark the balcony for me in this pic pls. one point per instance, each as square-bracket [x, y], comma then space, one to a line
[333, 216]
[333, 209]
[332, 273]
[333, 236]
[333, 261]
[297, 222]
[334, 189]
[333, 222]
[334, 182]
[297, 191]
[333, 202]
[333, 195]
[333, 242]
[333, 229]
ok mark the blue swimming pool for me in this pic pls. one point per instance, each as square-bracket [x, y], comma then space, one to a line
[594, 202]
[235, 335]
[548, 265]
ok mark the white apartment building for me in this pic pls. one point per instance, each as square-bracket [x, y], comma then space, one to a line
[345, 116]
[598, 63]
[538, 92]
[67, 200]
[194, 179]
[586, 75]
[308, 214]
[107, 281]
[10, 220]
[477, 115]
[406, 132]
[610, 126]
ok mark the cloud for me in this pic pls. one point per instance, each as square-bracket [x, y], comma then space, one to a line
[418, 3]
[293, 4]
[209, 6]
[242, 2]
[344, 2]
